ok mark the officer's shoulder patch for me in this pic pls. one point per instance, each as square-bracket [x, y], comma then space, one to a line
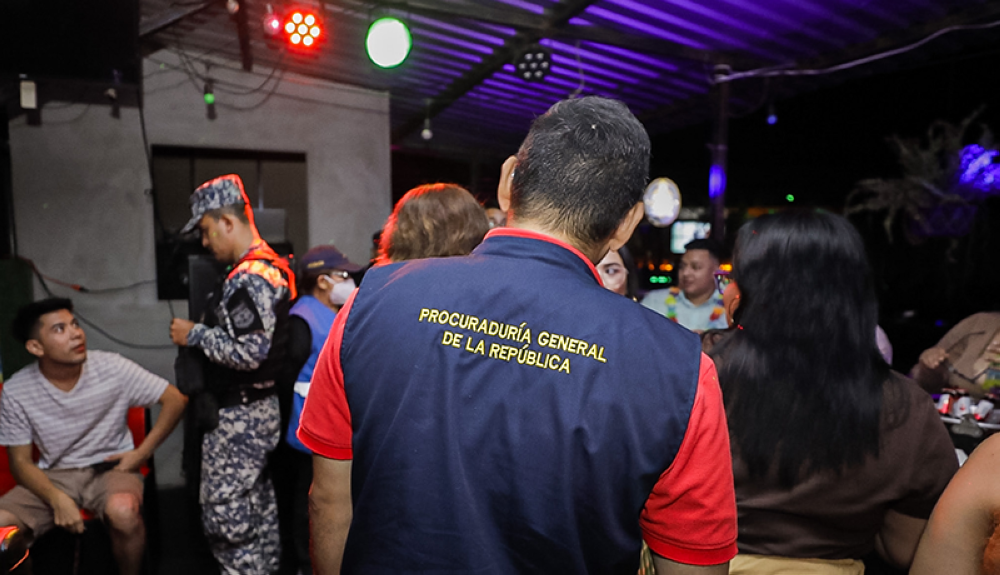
[243, 313]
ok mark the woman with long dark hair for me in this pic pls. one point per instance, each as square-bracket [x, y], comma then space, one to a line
[834, 455]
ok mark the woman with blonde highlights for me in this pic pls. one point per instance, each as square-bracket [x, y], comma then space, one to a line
[433, 220]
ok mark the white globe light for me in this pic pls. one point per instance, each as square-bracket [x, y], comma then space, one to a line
[662, 201]
[388, 42]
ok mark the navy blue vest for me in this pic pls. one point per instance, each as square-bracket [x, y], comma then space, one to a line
[510, 415]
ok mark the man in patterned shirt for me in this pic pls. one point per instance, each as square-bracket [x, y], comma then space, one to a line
[243, 339]
[73, 406]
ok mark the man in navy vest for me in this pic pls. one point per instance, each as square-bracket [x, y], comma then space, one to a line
[504, 413]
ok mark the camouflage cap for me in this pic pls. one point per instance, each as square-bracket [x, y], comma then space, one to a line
[212, 195]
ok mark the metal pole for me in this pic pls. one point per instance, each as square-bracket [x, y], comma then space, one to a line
[717, 174]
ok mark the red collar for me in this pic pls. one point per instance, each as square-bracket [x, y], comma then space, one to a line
[531, 235]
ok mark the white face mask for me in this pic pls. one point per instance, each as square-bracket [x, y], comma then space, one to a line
[341, 291]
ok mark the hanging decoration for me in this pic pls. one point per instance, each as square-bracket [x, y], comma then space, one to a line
[942, 186]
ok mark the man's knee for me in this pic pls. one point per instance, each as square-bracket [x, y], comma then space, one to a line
[123, 512]
[8, 518]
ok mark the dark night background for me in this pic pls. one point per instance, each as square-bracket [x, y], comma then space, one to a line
[826, 140]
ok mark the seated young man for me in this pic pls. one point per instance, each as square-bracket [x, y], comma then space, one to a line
[74, 407]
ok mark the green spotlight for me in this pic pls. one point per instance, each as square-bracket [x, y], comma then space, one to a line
[388, 42]
[790, 198]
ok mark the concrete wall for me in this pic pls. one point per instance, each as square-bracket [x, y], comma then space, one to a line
[83, 214]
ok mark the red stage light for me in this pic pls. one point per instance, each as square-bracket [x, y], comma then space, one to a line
[302, 29]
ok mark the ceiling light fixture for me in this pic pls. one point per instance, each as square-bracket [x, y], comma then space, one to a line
[388, 42]
[533, 64]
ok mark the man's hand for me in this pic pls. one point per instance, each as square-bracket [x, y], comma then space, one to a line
[128, 461]
[67, 514]
[179, 329]
[932, 357]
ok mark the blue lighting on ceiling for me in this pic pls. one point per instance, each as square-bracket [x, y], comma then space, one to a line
[772, 119]
[716, 181]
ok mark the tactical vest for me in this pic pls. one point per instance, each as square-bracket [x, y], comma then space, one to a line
[222, 379]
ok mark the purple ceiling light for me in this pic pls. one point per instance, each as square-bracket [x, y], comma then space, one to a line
[572, 65]
[446, 62]
[822, 14]
[451, 40]
[505, 82]
[585, 54]
[453, 53]
[636, 25]
[741, 25]
[459, 30]
[721, 38]
[558, 77]
[533, 8]
[634, 56]
[785, 24]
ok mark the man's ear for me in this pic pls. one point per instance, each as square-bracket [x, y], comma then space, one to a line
[506, 178]
[34, 347]
[227, 222]
[627, 226]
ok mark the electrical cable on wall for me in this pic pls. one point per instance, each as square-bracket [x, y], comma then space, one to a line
[83, 319]
[772, 71]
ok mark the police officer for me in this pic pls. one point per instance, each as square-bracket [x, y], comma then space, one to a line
[502, 412]
[242, 338]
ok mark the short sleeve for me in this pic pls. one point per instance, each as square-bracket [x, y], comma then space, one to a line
[141, 387]
[15, 429]
[690, 517]
[325, 424]
[936, 463]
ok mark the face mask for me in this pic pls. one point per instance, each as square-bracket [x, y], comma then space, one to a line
[341, 291]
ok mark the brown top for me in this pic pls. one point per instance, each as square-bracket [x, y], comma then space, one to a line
[837, 517]
[965, 343]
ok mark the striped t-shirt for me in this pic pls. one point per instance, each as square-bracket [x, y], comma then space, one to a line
[84, 425]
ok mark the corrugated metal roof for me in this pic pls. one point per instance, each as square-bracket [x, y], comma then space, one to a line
[656, 55]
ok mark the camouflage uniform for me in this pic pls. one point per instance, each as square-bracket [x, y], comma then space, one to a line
[239, 511]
